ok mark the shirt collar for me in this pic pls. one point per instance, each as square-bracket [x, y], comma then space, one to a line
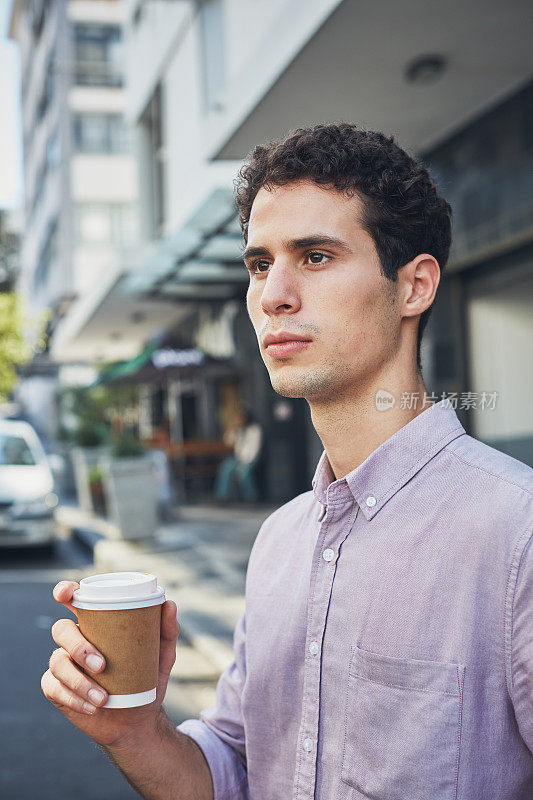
[394, 462]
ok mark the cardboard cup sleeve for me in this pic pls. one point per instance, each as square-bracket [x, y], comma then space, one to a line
[129, 641]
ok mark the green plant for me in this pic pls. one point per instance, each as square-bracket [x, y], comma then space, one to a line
[95, 475]
[89, 413]
[125, 445]
[95, 478]
[21, 337]
[91, 434]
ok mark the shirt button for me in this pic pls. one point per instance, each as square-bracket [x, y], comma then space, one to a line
[308, 745]
[371, 501]
[313, 648]
[328, 554]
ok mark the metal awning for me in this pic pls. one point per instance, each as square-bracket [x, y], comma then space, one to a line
[202, 260]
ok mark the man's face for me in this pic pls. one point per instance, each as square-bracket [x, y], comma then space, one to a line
[333, 293]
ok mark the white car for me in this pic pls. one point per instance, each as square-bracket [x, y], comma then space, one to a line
[27, 497]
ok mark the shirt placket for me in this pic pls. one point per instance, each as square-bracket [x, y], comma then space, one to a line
[335, 524]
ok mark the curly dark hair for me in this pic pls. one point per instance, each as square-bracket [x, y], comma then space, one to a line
[402, 210]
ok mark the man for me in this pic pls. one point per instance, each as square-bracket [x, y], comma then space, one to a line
[386, 650]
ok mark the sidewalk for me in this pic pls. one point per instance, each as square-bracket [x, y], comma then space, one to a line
[200, 559]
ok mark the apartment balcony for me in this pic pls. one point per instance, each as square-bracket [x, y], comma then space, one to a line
[99, 74]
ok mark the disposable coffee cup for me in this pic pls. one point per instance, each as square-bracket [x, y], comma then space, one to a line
[120, 613]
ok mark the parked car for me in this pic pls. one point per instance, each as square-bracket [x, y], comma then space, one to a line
[27, 497]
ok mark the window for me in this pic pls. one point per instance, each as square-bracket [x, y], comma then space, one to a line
[105, 223]
[101, 133]
[98, 55]
[52, 158]
[212, 48]
[40, 183]
[486, 171]
[15, 451]
[152, 122]
[53, 150]
[48, 89]
[38, 10]
[47, 255]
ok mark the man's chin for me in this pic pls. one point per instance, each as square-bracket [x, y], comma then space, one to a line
[307, 385]
[287, 391]
[285, 386]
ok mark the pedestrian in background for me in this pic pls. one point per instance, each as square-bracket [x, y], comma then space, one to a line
[246, 438]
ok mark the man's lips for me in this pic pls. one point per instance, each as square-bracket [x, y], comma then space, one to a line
[284, 349]
[283, 336]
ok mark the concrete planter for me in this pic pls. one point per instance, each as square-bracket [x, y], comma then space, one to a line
[131, 495]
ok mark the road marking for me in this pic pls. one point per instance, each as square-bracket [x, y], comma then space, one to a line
[43, 575]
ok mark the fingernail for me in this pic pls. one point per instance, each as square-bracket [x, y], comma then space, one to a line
[89, 708]
[96, 696]
[94, 662]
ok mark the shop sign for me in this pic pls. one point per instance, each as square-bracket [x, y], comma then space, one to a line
[169, 357]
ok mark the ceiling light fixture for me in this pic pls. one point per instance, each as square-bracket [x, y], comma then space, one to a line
[425, 69]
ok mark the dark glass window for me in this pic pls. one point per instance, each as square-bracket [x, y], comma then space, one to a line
[101, 133]
[15, 451]
[485, 171]
[98, 55]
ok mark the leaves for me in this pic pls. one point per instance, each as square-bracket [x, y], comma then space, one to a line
[16, 334]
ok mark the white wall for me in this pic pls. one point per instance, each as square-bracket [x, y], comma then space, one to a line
[501, 336]
[164, 45]
[151, 44]
[189, 178]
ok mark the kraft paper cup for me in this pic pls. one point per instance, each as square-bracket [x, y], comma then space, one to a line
[120, 613]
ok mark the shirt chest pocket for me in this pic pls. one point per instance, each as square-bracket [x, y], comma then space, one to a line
[402, 727]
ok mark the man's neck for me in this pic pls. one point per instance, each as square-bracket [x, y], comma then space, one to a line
[352, 427]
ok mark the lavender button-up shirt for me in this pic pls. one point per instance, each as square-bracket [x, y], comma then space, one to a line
[386, 650]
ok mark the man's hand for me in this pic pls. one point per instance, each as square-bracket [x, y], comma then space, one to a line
[73, 692]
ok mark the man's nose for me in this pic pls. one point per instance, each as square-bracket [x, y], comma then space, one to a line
[280, 290]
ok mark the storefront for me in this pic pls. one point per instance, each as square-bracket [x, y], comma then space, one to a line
[480, 333]
[193, 384]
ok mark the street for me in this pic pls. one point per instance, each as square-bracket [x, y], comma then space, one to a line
[42, 754]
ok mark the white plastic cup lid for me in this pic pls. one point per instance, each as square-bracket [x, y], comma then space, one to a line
[118, 587]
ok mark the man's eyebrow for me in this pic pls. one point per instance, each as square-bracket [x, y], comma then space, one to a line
[318, 240]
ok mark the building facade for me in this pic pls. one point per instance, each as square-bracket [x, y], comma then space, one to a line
[80, 174]
[206, 80]
[209, 80]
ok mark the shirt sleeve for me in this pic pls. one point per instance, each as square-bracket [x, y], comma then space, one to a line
[522, 645]
[219, 731]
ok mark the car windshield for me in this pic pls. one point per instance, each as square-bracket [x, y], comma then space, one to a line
[15, 451]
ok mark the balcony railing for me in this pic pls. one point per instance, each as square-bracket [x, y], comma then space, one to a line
[97, 73]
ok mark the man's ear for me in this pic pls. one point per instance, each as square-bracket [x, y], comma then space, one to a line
[419, 280]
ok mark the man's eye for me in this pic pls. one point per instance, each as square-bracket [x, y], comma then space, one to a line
[318, 256]
[257, 266]
[262, 266]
